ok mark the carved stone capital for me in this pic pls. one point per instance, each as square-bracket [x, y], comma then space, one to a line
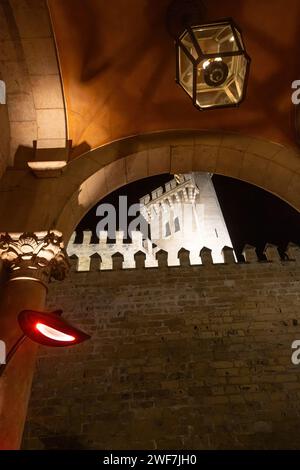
[34, 255]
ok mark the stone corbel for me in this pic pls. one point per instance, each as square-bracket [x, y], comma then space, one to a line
[38, 256]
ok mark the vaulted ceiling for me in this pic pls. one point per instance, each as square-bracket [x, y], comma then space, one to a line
[118, 68]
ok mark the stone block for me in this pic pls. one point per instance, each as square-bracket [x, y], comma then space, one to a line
[140, 259]
[47, 93]
[228, 255]
[206, 256]
[184, 257]
[117, 261]
[271, 252]
[162, 258]
[249, 253]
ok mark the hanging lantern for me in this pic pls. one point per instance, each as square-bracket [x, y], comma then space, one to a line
[212, 64]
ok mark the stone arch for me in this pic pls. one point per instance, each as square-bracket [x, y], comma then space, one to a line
[269, 165]
[29, 67]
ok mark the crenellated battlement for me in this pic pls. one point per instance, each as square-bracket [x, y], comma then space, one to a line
[141, 254]
[181, 188]
[87, 251]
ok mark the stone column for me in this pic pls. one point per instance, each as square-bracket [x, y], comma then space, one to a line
[30, 261]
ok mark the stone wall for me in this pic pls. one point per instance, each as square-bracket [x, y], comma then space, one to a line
[30, 70]
[180, 357]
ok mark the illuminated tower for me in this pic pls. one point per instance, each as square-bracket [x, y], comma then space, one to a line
[186, 214]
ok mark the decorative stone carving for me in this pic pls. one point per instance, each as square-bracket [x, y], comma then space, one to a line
[39, 255]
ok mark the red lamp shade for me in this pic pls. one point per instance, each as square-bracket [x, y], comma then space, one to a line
[49, 329]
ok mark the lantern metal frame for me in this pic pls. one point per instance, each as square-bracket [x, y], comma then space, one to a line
[241, 51]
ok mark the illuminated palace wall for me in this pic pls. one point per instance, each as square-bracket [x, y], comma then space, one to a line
[180, 357]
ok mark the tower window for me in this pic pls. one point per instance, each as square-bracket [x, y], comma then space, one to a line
[168, 231]
[176, 224]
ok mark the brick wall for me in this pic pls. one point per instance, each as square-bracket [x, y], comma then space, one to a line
[181, 357]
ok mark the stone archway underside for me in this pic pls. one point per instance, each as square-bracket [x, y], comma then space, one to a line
[60, 202]
[268, 165]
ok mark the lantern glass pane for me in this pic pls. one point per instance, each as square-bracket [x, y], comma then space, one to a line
[216, 39]
[188, 43]
[185, 72]
[229, 92]
[210, 97]
[240, 38]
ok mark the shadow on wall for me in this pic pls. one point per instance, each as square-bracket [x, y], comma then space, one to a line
[23, 155]
[80, 149]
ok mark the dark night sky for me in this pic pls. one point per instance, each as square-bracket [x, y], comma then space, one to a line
[252, 215]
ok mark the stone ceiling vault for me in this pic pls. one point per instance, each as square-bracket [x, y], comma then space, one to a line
[118, 68]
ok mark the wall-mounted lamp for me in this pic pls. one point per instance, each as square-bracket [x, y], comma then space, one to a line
[49, 329]
[212, 65]
[46, 328]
